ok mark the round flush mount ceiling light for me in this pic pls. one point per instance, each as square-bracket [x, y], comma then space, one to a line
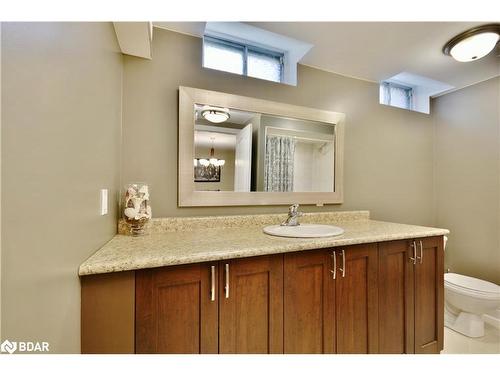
[473, 44]
[215, 114]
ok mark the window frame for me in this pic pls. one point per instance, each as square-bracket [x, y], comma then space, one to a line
[246, 48]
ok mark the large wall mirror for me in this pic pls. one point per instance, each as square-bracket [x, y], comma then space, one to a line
[236, 150]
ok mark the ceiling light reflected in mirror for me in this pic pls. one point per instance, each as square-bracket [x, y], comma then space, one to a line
[215, 114]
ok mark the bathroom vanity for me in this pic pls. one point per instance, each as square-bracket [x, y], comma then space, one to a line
[220, 285]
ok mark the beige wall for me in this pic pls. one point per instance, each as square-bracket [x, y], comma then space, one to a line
[61, 123]
[388, 151]
[467, 178]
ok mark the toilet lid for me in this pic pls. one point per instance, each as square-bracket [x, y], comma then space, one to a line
[471, 283]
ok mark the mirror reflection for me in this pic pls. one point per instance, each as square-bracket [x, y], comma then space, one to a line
[246, 151]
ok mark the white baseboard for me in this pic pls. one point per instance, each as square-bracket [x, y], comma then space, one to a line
[493, 319]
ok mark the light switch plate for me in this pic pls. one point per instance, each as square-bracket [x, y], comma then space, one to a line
[104, 201]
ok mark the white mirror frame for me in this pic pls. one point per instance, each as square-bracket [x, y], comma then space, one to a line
[187, 194]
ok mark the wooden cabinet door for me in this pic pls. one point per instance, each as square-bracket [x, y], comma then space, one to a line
[251, 305]
[395, 298]
[174, 310]
[429, 295]
[309, 303]
[357, 299]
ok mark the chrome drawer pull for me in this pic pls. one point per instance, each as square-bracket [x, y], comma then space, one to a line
[421, 258]
[226, 287]
[334, 271]
[414, 259]
[343, 264]
[212, 282]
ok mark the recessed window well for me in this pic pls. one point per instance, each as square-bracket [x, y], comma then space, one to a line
[411, 91]
[239, 48]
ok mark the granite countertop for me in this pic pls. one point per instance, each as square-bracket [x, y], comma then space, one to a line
[226, 238]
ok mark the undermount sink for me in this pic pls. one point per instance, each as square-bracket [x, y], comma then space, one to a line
[303, 230]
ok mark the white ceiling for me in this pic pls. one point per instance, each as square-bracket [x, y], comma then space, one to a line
[375, 51]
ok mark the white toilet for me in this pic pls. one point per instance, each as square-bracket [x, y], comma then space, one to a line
[466, 300]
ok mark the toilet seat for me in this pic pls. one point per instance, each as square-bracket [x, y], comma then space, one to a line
[471, 286]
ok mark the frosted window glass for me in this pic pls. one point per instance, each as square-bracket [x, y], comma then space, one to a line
[396, 96]
[223, 57]
[264, 66]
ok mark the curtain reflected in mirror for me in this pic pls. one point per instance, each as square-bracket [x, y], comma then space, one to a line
[279, 163]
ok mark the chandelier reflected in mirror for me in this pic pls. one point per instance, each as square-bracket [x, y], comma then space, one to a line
[208, 169]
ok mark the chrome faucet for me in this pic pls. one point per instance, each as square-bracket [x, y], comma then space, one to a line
[293, 216]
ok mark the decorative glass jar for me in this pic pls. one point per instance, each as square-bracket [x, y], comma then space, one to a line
[135, 208]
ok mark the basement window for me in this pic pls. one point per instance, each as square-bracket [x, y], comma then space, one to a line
[396, 95]
[243, 59]
[411, 91]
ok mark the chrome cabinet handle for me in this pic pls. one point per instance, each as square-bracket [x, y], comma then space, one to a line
[414, 259]
[212, 282]
[343, 264]
[334, 271]
[421, 258]
[226, 287]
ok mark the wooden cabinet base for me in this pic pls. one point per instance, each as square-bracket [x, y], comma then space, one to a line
[370, 298]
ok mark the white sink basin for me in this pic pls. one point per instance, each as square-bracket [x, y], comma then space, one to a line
[303, 230]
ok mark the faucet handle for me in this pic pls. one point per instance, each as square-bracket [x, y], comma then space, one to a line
[293, 214]
[293, 209]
